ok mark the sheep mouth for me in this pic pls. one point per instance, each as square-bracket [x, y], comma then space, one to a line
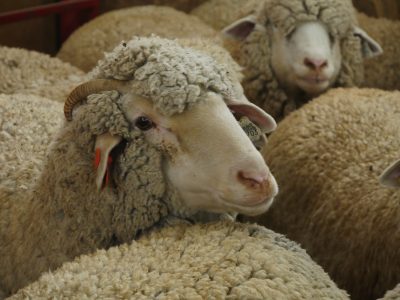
[251, 209]
[313, 85]
[314, 80]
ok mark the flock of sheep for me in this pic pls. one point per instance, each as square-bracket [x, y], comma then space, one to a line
[126, 160]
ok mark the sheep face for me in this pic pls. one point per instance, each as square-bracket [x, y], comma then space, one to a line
[306, 59]
[206, 156]
[391, 175]
[306, 47]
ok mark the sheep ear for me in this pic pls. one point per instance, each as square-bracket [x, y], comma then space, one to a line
[255, 114]
[391, 176]
[240, 29]
[370, 47]
[102, 162]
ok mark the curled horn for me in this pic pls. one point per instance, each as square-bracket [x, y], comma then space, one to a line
[79, 93]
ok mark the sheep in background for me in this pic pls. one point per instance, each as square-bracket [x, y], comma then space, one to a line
[31, 72]
[383, 71]
[221, 13]
[88, 43]
[292, 51]
[327, 158]
[209, 261]
[159, 128]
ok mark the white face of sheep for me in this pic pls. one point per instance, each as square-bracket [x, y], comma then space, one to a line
[208, 158]
[307, 59]
[391, 175]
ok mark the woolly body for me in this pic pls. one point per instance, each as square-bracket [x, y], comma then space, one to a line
[88, 43]
[64, 205]
[327, 158]
[27, 126]
[219, 261]
[30, 72]
[220, 13]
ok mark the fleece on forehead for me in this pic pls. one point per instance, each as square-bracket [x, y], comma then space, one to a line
[337, 15]
[172, 76]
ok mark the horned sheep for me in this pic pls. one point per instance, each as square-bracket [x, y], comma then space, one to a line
[31, 72]
[89, 42]
[327, 158]
[293, 51]
[155, 139]
[222, 260]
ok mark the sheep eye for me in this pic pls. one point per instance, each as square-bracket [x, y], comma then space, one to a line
[144, 123]
[331, 39]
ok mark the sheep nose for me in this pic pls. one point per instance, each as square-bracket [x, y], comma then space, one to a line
[256, 181]
[315, 64]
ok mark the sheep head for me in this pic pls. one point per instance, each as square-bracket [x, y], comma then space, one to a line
[311, 45]
[191, 155]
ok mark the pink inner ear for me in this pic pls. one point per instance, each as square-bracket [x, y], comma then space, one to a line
[256, 115]
[240, 29]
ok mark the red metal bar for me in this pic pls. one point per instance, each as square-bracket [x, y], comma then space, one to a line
[44, 10]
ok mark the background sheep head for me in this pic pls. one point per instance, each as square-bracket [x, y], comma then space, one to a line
[308, 46]
[163, 113]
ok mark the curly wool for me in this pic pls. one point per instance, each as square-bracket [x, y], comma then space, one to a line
[260, 83]
[31, 72]
[23, 140]
[327, 158]
[218, 261]
[172, 76]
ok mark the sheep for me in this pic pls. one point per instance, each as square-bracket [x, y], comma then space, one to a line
[220, 260]
[327, 158]
[380, 72]
[156, 140]
[293, 51]
[31, 72]
[383, 71]
[392, 294]
[87, 44]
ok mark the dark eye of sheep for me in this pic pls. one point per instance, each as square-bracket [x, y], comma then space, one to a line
[331, 39]
[144, 123]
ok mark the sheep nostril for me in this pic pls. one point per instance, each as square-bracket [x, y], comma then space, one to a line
[315, 64]
[252, 180]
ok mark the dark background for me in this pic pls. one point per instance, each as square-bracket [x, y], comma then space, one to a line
[42, 34]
